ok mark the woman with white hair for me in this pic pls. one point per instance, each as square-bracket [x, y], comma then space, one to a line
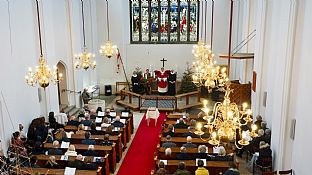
[264, 153]
[71, 151]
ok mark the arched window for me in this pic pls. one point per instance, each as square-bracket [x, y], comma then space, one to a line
[164, 21]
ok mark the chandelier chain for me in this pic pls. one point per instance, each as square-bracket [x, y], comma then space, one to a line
[205, 20]
[39, 27]
[107, 19]
[212, 22]
[83, 25]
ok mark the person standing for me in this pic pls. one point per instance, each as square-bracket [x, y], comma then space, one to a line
[85, 96]
[135, 82]
[172, 77]
[162, 79]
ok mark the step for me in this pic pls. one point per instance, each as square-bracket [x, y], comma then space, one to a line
[74, 111]
[68, 108]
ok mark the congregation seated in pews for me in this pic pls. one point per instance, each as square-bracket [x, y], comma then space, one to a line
[55, 145]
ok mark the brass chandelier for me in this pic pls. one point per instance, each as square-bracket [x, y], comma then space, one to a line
[108, 49]
[84, 60]
[43, 73]
[226, 121]
[207, 73]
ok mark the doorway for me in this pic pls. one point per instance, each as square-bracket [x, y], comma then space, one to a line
[62, 85]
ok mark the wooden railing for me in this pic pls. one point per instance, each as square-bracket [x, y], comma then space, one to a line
[187, 100]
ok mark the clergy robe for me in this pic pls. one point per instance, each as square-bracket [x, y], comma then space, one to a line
[162, 81]
[135, 83]
[172, 77]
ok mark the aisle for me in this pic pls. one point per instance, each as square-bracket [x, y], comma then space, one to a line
[139, 158]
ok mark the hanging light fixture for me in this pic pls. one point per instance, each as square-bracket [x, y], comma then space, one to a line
[207, 73]
[226, 121]
[84, 60]
[108, 49]
[43, 73]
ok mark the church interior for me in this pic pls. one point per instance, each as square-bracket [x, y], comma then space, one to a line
[204, 87]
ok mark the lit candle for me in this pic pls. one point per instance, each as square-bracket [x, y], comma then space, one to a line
[214, 135]
[199, 126]
[244, 106]
[254, 127]
[244, 135]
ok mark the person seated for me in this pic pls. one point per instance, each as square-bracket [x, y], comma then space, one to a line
[222, 156]
[106, 123]
[190, 132]
[61, 135]
[161, 169]
[93, 114]
[99, 109]
[22, 132]
[90, 151]
[264, 152]
[88, 165]
[106, 141]
[168, 154]
[38, 149]
[71, 151]
[110, 130]
[86, 121]
[256, 141]
[51, 163]
[16, 140]
[55, 149]
[77, 163]
[168, 143]
[180, 124]
[80, 130]
[87, 140]
[233, 170]
[189, 143]
[267, 136]
[107, 114]
[264, 125]
[53, 123]
[170, 131]
[201, 170]
[72, 121]
[258, 122]
[33, 162]
[81, 114]
[183, 155]
[3, 159]
[182, 170]
[85, 96]
[50, 137]
[93, 128]
[117, 122]
[203, 153]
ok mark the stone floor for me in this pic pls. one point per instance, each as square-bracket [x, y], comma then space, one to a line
[138, 117]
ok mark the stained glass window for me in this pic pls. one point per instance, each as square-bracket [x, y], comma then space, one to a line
[164, 21]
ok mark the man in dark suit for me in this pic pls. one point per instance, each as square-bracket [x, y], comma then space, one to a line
[90, 151]
[77, 163]
[189, 143]
[170, 132]
[183, 154]
[106, 141]
[168, 144]
[117, 122]
[88, 165]
[190, 132]
[180, 124]
[87, 140]
[54, 150]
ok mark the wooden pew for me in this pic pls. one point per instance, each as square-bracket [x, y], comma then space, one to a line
[42, 159]
[214, 167]
[101, 132]
[47, 171]
[77, 138]
[181, 140]
[173, 122]
[178, 116]
[103, 150]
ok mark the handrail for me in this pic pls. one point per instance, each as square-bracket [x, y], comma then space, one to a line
[187, 94]
[244, 42]
[130, 93]
[71, 91]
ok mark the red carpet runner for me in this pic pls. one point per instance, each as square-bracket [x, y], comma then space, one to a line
[139, 158]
